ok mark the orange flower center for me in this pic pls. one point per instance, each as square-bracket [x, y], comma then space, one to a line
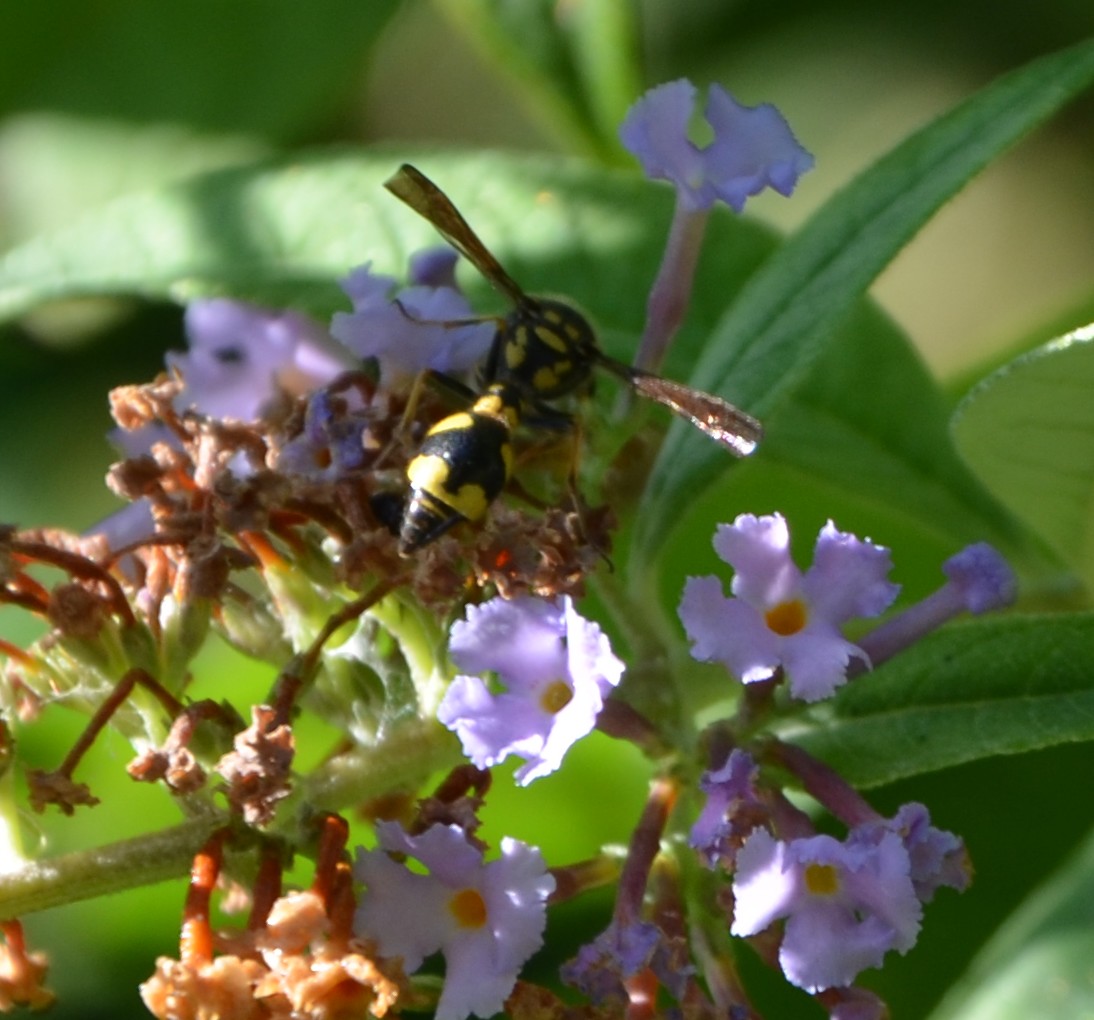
[555, 697]
[469, 908]
[821, 879]
[786, 618]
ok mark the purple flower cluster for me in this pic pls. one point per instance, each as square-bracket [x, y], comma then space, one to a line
[846, 904]
[242, 356]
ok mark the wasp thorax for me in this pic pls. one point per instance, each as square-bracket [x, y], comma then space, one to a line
[546, 347]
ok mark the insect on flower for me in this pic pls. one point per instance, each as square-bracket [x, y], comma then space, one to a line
[543, 350]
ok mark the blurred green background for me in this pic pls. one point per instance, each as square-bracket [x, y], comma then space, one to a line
[103, 97]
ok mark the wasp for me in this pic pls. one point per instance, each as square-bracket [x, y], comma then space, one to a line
[543, 349]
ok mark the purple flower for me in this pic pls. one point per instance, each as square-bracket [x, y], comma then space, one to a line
[780, 617]
[938, 858]
[979, 580]
[752, 149]
[620, 952]
[846, 904]
[556, 668]
[241, 356]
[731, 800]
[617, 953]
[129, 525]
[434, 267]
[420, 327]
[486, 918]
[330, 444]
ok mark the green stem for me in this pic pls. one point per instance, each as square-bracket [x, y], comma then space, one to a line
[654, 685]
[422, 644]
[86, 874]
[405, 758]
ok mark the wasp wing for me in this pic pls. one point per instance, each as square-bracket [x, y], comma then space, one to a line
[734, 429]
[411, 186]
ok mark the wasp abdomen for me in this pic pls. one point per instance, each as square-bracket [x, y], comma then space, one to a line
[462, 466]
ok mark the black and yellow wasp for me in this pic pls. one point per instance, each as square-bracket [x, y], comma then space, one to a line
[543, 350]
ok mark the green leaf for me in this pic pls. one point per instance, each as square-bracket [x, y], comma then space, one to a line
[88, 114]
[871, 421]
[574, 65]
[285, 231]
[998, 685]
[269, 67]
[1028, 432]
[778, 328]
[1038, 963]
[56, 166]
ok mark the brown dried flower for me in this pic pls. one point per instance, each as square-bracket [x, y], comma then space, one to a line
[57, 788]
[544, 555]
[258, 771]
[327, 985]
[177, 767]
[21, 973]
[209, 990]
[76, 612]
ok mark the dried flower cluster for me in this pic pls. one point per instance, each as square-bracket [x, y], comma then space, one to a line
[265, 477]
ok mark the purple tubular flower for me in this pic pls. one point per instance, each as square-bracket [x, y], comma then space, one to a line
[241, 356]
[619, 953]
[846, 904]
[434, 267]
[616, 954]
[486, 918]
[330, 444]
[779, 616]
[129, 525]
[938, 858]
[556, 668]
[413, 330]
[730, 791]
[979, 580]
[752, 149]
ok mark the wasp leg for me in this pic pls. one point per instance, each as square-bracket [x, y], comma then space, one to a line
[549, 418]
[401, 432]
[460, 393]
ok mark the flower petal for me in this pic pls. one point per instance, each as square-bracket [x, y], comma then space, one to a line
[849, 576]
[753, 149]
[758, 550]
